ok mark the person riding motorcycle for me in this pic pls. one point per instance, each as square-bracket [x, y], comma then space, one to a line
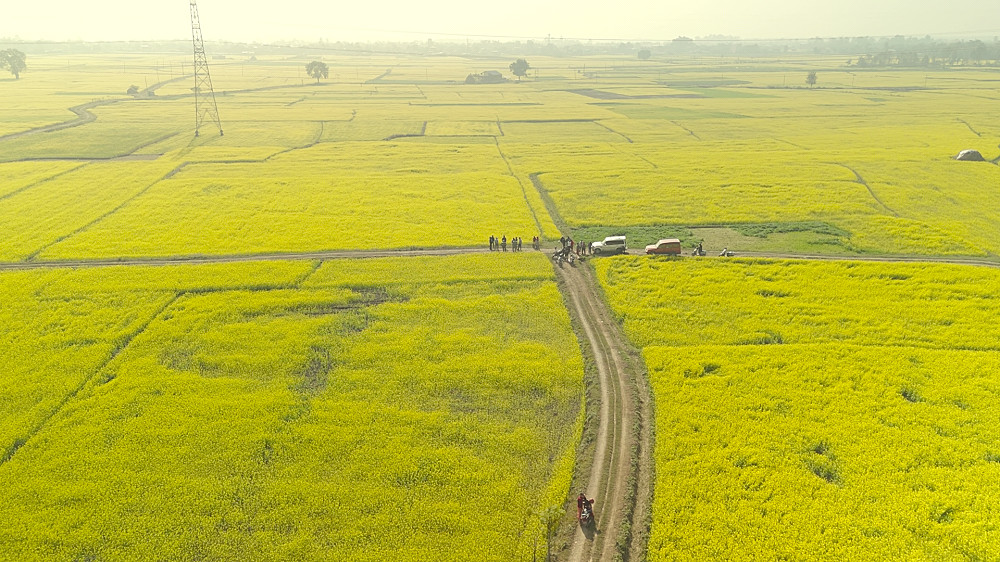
[582, 505]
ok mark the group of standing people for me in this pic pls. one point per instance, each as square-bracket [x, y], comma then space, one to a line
[577, 247]
[500, 244]
[516, 244]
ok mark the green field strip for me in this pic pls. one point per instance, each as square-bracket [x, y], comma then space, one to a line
[550, 205]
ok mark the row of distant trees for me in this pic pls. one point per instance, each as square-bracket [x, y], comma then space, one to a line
[963, 53]
[874, 50]
[898, 51]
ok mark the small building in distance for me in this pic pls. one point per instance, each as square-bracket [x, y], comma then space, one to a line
[487, 77]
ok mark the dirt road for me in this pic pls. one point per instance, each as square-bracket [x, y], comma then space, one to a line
[623, 444]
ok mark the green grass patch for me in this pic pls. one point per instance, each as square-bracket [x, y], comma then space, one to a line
[765, 229]
[812, 238]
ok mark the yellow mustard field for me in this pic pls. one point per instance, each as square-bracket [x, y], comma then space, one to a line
[401, 408]
[588, 143]
[818, 410]
[287, 410]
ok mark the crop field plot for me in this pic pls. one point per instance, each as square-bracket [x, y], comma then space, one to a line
[16, 176]
[44, 213]
[818, 410]
[235, 411]
[187, 216]
[62, 326]
[825, 452]
[371, 130]
[463, 129]
[698, 143]
[559, 132]
[101, 140]
[683, 192]
[332, 196]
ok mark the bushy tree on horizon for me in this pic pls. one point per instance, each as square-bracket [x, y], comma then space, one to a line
[13, 60]
[519, 68]
[317, 70]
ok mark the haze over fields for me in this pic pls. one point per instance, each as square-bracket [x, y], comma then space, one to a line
[234, 20]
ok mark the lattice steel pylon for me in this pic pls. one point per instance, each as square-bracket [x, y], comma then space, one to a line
[205, 108]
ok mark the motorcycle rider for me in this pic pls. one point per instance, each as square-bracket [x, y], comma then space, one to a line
[582, 500]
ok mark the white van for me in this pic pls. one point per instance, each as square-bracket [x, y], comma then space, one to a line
[610, 246]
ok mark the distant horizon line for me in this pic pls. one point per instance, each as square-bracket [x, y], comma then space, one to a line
[457, 39]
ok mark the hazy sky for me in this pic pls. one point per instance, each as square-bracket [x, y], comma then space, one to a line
[255, 20]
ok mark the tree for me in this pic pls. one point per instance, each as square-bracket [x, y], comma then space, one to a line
[318, 70]
[682, 44]
[811, 78]
[133, 90]
[645, 54]
[519, 68]
[13, 60]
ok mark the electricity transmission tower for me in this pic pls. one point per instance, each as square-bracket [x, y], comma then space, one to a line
[205, 108]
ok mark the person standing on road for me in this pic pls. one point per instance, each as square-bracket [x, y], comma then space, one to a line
[503, 242]
[491, 242]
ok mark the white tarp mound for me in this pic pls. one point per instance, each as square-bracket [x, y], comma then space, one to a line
[970, 156]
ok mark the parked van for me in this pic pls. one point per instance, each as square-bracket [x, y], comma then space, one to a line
[670, 246]
[610, 246]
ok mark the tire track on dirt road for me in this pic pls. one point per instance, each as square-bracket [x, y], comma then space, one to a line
[624, 412]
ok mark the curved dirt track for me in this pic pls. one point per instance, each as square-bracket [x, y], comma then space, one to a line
[623, 404]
